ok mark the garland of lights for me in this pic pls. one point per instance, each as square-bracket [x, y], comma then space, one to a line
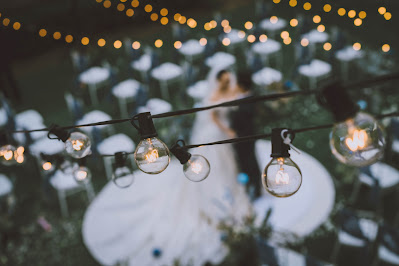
[356, 139]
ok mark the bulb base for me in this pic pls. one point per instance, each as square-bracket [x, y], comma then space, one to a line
[145, 125]
[181, 154]
[279, 148]
[61, 134]
[120, 159]
[335, 98]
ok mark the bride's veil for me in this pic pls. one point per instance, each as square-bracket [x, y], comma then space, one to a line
[213, 82]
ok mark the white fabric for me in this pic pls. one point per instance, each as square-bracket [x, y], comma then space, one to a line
[369, 228]
[287, 257]
[268, 47]
[143, 63]
[93, 117]
[314, 36]
[191, 47]
[29, 119]
[348, 54]
[303, 212]
[94, 75]
[388, 256]
[169, 212]
[156, 106]
[47, 146]
[234, 37]
[386, 175]
[116, 143]
[5, 185]
[126, 89]
[200, 90]
[316, 68]
[349, 240]
[166, 71]
[220, 60]
[62, 181]
[266, 24]
[3, 117]
[267, 76]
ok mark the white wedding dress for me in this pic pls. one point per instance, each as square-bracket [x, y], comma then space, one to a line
[169, 213]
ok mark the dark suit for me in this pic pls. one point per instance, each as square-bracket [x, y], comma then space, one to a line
[242, 122]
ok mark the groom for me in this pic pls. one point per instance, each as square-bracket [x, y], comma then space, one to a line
[242, 122]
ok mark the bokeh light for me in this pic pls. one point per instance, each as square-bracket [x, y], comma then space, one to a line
[130, 12]
[158, 43]
[241, 34]
[357, 22]
[304, 42]
[293, 3]
[164, 12]
[207, 26]
[263, 38]
[120, 7]
[284, 34]
[287, 40]
[6, 21]
[317, 19]
[341, 11]
[177, 17]
[226, 42]
[57, 35]
[294, 22]
[382, 10]
[248, 25]
[225, 23]
[213, 24]
[321, 28]
[385, 48]
[227, 29]
[42, 32]
[177, 44]
[136, 45]
[327, 46]
[182, 19]
[273, 19]
[101, 42]
[387, 15]
[148, 8]
[351, 13]
[69, 38]
[307, 6]
[192, 23]
[251, 38]
[16, 26]
[276, 1]
[362, 14]
[203, 41]
[135, 3]
[117, 44]
[85, 41]
[357, 46]
[327, 8]
[154, 16]
[164, 20]
[107, 4]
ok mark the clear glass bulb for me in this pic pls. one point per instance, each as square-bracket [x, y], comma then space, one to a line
[7, 155]
[152, 156]
[282, 177]
[82, 175]
[78, 145]
[197, 168]
[123, 177]
[358, 141]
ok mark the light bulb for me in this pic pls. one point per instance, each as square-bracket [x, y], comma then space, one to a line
[123, 177]
[78, 145]
[19, 155]
[7, 155]
[47, 166]
[152, 156]
[358, 141]
[197, 168]
[282, 177]
[82, 175]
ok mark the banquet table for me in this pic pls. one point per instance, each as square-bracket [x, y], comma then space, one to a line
[5, 185]
[315, 70]
[267, 76]
[125, 91]
[165, 73]
[220, 60]
[306, 210]
[93, 77]
[266, 49]
[345, 56]
[191, 49]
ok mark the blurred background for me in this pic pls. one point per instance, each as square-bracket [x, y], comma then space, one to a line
[67, 62]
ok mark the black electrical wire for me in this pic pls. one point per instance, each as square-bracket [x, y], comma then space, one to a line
[248, 100]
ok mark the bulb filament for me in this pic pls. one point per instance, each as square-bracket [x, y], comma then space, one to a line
[47, 166]
[358, 141]
[77, 145]
[196, 167]
[282, 178]
[152, 156]
[81, 175]
[8, 155]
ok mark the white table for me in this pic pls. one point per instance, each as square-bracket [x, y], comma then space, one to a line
[125, 91]
[199, 90]
[47, 146]
[156, 106]
[315, 37]
[266, 49]
[273, 26]
[94, 117]
[165, 73]
[267, 76]
[234, 37]
[116, 143]
[93, 77]
[142, 65]
[190, 49]
[315, 70]
[345, 56]
[220, 60]
[3, 117]
[306, 210]
[5, 185]
[29, 120]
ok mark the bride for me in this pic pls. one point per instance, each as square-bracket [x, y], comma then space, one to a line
[166, 218]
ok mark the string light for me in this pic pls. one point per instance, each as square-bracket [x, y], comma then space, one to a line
[227, 29]
[57, 35]
[316, 19]
[148, 8]
[276, 1]
[151, 154]
[192, 23]
[120, 7]
[251, 38]
[226, 41]
[273, 19]
[327, 46]
[241, 34]
[47, 166]
[177, 17]
[321, 28]
[284, 34]
[117, 44]
[16, 26]
[203, 41]
[177, 44]
[351, 13]
[158, 43]
[341, 11]
[327, 8]
[213, 24]
[362, 14]
[135, 3]
[69, 38]
[294, 22]
[357, 22]
[307, 6]
[357, 46]
[182, 20]
[287, 41]
[7, 155]
[154, 16]
[382, 10]
[304, 42]
[207, 26]
[387, 15]
[164, 12]
[225, 23]
[263, 38]
[42, 32]
[122, 176]
[385, 48]
[293, 3]
[164, 20]
[282, 177]
[85, 41]
[136, 45]
[248, 25]
[107, 4]
[82, 175]
[101, 42]
[77, 144]
[6, 21]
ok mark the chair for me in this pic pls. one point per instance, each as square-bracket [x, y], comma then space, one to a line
[65, 185]
[112, 145]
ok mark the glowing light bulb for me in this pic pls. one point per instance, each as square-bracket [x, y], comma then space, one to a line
[197, 168]
[358, 141]
[282, 177]
[82, 175]
[78, 145]
[47, 166]
[7, 155]
[123, 177]
[152, 156]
